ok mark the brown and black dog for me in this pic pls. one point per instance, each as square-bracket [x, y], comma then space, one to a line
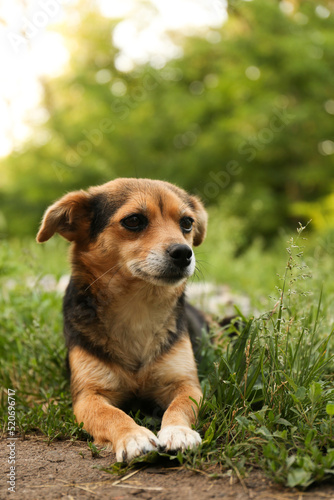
[126, 322]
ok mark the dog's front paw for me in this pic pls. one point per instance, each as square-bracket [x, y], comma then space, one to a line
[135, 443]
[178, 437]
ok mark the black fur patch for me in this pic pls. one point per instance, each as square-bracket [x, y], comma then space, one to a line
[79, 306]
[191, 204]
[196, 324]
[147, 407]
[102, 209]
[67, 365]
[181, 326]
[81, 320]
[181, 320]
[161, 204]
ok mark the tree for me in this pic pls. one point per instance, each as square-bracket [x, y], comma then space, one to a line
[246, 118]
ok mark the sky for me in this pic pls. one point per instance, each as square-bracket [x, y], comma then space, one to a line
[32, 49]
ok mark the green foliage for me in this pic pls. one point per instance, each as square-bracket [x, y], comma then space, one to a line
[31, 346]
[271, 391]
[95, 451]
[242, 121]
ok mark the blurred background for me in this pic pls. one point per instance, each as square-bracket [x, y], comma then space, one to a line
[233, 101]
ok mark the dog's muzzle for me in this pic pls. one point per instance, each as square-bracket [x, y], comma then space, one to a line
[176, 264]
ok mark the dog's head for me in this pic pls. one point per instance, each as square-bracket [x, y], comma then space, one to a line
[144, 228]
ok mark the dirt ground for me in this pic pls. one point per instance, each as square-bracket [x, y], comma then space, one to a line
[66, 470]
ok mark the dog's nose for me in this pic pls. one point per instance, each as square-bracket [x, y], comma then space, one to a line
[181, 255]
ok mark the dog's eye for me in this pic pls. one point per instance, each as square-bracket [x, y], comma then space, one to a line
[186, 224]
[136, 222]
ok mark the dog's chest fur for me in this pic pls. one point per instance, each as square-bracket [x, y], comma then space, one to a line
[131, 333]
[141, 330]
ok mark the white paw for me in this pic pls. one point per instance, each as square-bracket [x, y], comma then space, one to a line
[136, 443]
[178, 437]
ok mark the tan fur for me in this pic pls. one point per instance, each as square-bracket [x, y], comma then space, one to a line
[135, 313]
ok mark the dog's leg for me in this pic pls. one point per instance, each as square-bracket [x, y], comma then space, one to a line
[96, 388]
[110, 425]
[176, 432]
[179, 381]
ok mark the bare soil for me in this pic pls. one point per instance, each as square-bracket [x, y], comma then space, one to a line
[67, 470]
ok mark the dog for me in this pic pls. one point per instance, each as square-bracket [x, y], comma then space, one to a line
[127, 324]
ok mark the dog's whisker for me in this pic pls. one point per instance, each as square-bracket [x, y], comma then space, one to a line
[198, 273]
[203, 262]
[108, 271]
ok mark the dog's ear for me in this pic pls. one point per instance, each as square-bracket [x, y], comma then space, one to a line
[201, 220]
[69, 216]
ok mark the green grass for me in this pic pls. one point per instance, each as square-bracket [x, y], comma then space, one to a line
[269, 389]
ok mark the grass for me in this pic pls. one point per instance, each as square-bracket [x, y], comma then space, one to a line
[269, 392]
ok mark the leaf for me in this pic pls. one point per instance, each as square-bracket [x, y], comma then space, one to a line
[263, 431]
[330, 409]
[210, 432]
[300, 393]
[315, 392]
[309, 437]
[299, 477]
[153, 457]
[243, 421]
[281, 434]
[271, 416]
[291, 460]
[282, 421]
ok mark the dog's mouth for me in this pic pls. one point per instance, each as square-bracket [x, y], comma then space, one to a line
[168, 275]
